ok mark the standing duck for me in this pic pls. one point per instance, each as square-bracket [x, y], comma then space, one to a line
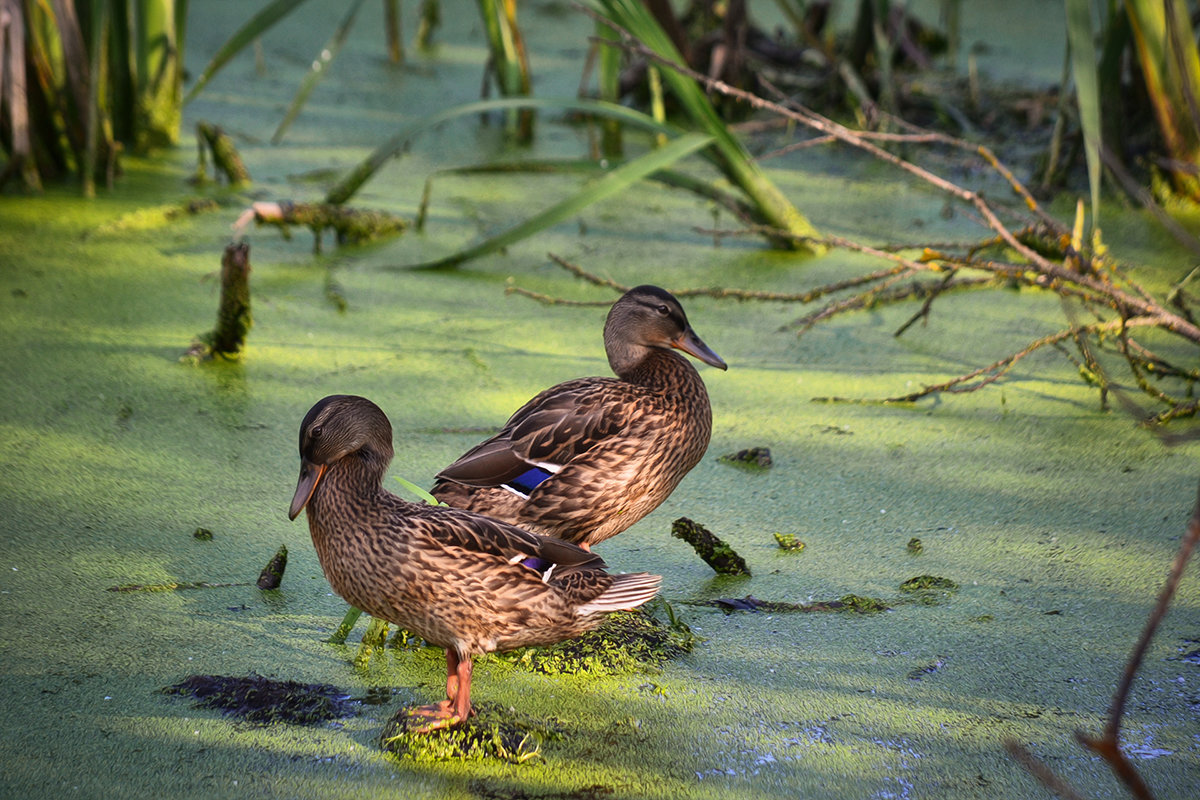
[586, 459]
[459, 580]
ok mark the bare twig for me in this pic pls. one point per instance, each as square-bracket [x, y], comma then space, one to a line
[1043, 773]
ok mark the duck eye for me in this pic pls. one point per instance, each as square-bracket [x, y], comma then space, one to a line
[662, 309]
[315, 433]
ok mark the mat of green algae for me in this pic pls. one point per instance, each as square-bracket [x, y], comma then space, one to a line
[1058, 521]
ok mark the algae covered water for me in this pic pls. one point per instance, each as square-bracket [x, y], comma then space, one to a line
[1051, 521]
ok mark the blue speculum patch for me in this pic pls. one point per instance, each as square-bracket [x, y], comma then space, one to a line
[529, 480]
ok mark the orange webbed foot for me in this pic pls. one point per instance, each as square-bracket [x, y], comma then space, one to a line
[436, 717]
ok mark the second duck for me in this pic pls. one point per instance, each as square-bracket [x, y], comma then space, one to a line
[586, 459]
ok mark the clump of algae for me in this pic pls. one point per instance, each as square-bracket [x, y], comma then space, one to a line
[628, 642]
[492, 733]
[929, 590]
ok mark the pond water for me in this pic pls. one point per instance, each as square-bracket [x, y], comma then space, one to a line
[1057, 520]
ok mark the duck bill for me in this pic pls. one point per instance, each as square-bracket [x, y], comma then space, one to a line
[691, 344]
[310, 476]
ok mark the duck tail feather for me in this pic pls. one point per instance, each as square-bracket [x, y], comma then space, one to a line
[627, 592]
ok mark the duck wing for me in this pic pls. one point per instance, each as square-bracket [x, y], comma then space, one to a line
[477, 534]
[545, 434]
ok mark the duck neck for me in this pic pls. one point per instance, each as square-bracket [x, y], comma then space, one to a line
[352, 483]
[655, 367]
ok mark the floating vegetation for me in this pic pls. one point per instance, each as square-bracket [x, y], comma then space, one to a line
[202, 534]
[925, 583]
[753, 457]
[228, 338]
[349, 225]
[272, 574]
[788, 541]
[155, 217]
[264, 701]
[718, 555]
[850, 602]
[915, 546]
[628, 642]
[928, 669]
[930, 590]
[492, 733]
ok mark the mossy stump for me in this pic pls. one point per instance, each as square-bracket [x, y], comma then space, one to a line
[715, 552]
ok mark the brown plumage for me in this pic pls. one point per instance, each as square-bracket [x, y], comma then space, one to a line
[459, 580]
[586, 459]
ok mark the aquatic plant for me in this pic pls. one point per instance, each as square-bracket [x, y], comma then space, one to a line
[492, 733]
[508, 61]
[86, 80]
[227, 339]
[627, 642]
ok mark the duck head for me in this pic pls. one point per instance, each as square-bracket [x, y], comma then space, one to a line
[647, 316]
[337, 427]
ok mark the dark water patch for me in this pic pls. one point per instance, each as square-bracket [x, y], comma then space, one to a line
[488, 790]
[261, 700]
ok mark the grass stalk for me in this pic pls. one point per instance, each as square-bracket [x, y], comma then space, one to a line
[608, 79]
[391, 23]
[509, 60]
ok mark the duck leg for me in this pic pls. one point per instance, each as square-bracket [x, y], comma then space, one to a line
[457, 705]
[461, 698]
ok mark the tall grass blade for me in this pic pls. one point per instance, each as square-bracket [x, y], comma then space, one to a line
[732, 156]
[320, 66]
[357, 177]
[509, 60]
[391, 25]
[612, 183]
[255, 27]
[1087, 92]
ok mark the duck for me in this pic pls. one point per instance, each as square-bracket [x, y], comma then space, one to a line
[586, 459]
[461, 581]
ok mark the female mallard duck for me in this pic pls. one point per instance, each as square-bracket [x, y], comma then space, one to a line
[459, 580]
[588, 458]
